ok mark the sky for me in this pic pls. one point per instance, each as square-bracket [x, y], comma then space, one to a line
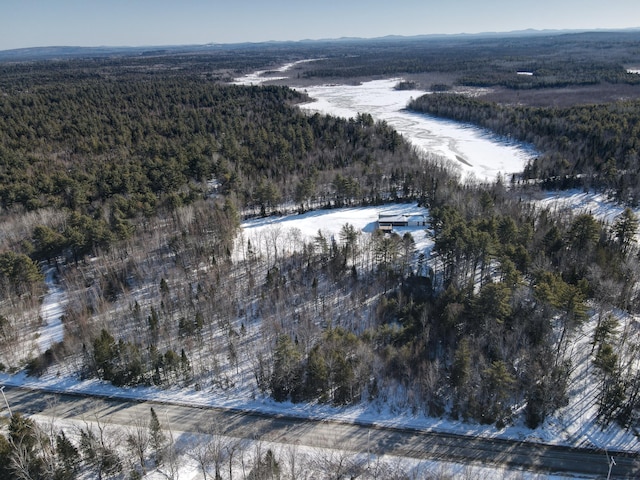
[38, 23]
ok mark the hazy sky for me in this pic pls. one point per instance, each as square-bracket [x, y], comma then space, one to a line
[29, 23]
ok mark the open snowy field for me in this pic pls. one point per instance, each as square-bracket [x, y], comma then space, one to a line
[289, 231]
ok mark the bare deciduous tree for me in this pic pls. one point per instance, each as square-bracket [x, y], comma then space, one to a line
[138, 441]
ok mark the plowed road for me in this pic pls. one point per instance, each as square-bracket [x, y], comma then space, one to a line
[411, 443]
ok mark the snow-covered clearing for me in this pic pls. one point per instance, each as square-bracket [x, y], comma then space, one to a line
[289, 231]
[578, 201]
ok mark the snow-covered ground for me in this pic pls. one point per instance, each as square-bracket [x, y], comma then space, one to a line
[578, 201]
[483, 157]
[261, 76]
[295, 461]
[288, 231]
[574, 425]
[51, 311]
[577, 424]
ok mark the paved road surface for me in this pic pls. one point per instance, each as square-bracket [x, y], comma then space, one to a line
[329, 434]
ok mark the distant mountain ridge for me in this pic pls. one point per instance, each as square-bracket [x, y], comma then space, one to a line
[60, 52]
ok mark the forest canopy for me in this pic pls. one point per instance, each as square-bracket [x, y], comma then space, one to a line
[111, 150]
[127, 179]
[585, 145]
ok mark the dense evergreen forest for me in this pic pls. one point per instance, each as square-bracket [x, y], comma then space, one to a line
[582, 146]
[129, 177]
[110, 150]
[555, 60]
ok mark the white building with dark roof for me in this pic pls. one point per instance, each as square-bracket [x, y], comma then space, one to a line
[387, 223]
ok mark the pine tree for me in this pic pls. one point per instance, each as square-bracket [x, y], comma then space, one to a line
[105, 355]
[157, 438]
[286, 379]
[26, 461]
[317, 378]
[625, 229]
[185, 365]
[68, 455]
[498, 385]
[5, 459]
[461, 369]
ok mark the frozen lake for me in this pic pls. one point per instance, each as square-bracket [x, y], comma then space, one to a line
[475, 152]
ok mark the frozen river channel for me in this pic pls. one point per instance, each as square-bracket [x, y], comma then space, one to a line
[477, 153]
